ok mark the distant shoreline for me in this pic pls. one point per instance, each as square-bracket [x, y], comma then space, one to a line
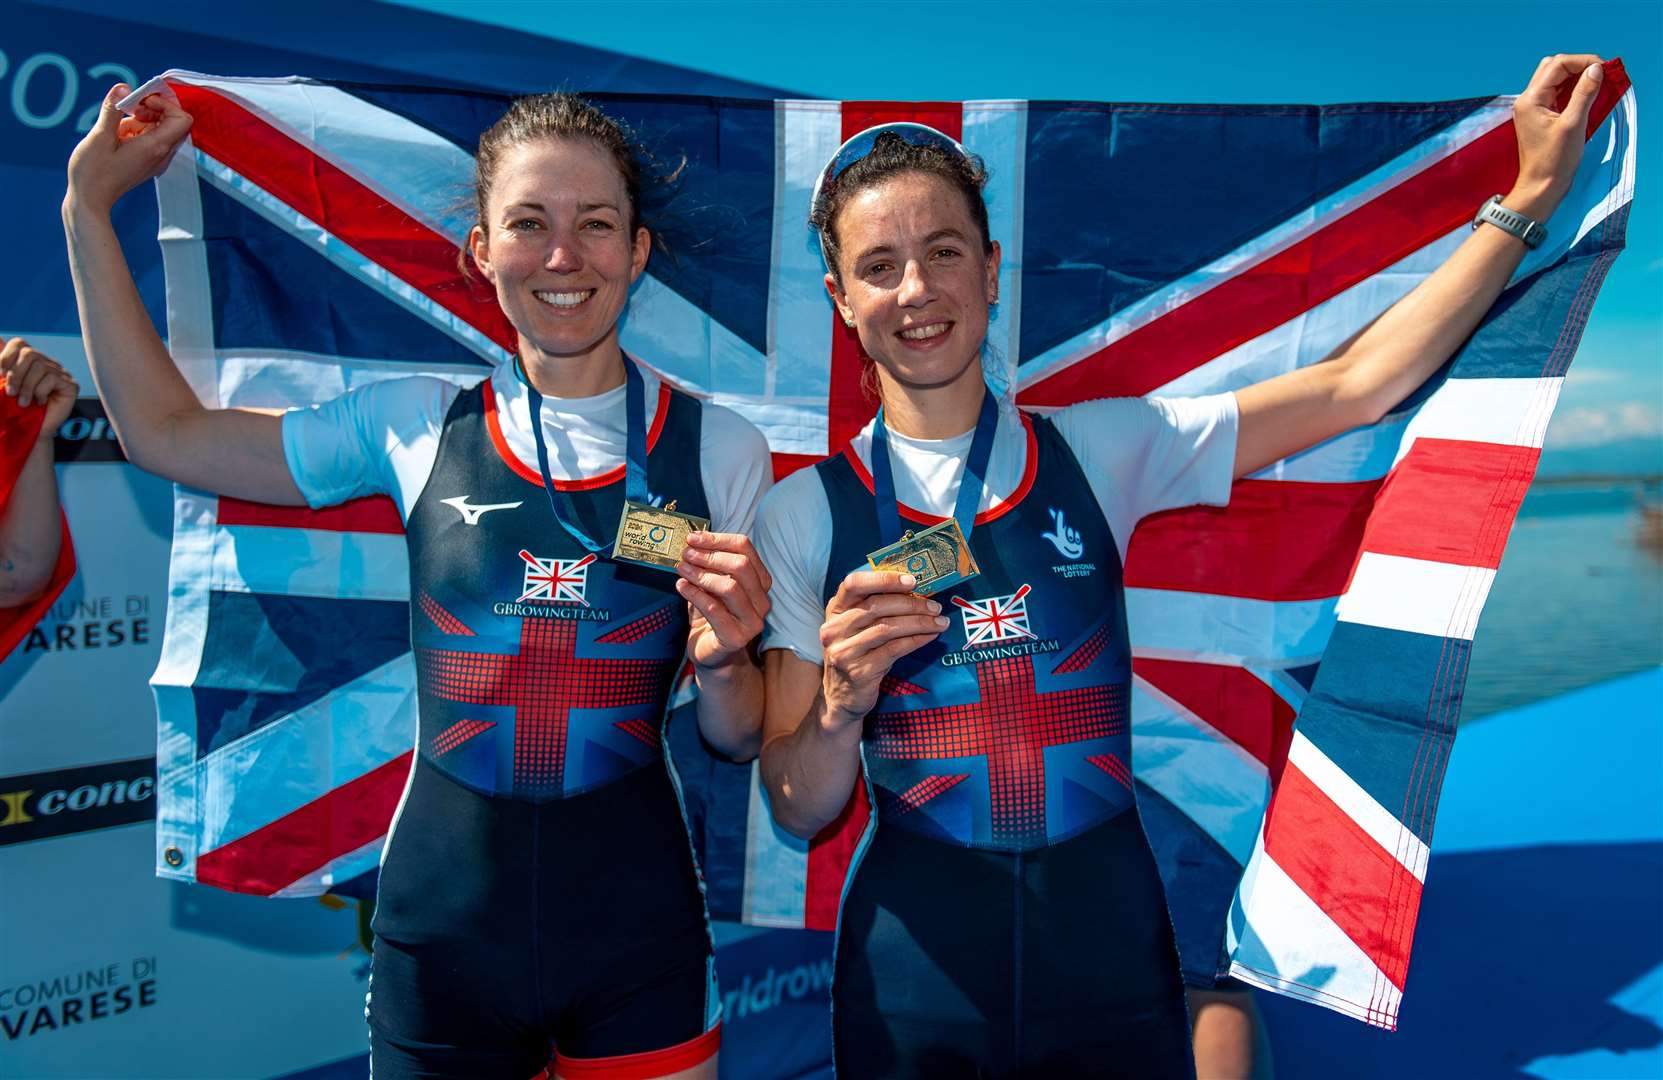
[1584, 479]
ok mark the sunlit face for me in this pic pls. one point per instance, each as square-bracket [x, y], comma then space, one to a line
[556, 245]
[915, 280]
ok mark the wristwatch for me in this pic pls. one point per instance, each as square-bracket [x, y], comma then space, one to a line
[1511, 222]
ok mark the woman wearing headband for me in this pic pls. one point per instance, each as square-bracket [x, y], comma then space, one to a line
[1006, 915]
[537, 891]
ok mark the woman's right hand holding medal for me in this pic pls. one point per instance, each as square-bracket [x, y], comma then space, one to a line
[872, 621]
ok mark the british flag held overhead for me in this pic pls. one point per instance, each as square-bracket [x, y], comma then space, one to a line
[310, 233]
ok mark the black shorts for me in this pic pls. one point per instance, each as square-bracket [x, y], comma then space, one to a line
[954, 961]
[507, 932]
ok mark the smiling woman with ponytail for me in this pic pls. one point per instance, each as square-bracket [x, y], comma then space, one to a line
[537, 895]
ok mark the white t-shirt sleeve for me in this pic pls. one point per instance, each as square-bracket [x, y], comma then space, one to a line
[377, 439]
[1145, 455]
[793, 535]
[735, 467]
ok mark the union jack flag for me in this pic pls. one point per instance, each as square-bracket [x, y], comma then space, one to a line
[556, 580]
[310, 233]
[998, 618]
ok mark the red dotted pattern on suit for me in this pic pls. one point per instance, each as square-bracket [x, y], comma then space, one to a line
[633, 631]
[1114, 766]
[640, 729]
[1088, 652]
[1012, 724]
[923, 791]
[459, 733]
[891, 686]
[544, 681]
[443, 619]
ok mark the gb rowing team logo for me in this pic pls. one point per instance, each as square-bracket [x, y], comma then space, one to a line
[555, 581]
[995, 628]
[998, 618]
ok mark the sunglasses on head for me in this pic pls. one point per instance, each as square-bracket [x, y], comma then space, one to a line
[859, 145]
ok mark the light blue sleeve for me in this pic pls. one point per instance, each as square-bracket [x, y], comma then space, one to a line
[1145, 455]
[735, 466]
[793, 537]
[376, 439]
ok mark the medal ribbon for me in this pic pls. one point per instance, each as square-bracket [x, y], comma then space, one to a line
[970, 484]
[635, 453]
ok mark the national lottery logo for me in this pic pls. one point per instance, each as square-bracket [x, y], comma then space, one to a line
[998, 618]
[1065, 539]
[555, 581]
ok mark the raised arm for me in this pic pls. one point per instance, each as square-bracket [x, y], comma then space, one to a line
[1365, 377]
[162, 426]
[30, 533]
[812, 724]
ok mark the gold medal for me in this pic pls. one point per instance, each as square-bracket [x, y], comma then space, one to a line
[654, 536]
[937, 557]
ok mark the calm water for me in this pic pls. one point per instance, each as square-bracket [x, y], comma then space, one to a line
[1578, 600]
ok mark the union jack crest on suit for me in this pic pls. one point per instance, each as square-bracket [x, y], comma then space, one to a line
[310, 242]
[555, 580]
[998, 618]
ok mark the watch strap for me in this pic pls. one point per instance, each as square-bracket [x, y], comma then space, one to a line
[1511, 222]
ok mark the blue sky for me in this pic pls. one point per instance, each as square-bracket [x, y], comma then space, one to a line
[1190, 50]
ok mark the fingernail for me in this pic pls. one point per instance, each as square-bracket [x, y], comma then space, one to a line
[1596, 71]
[941, 622]
[908, 581]
[935, 608]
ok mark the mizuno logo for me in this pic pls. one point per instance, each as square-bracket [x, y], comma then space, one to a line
[1065, 540]
[472, 514]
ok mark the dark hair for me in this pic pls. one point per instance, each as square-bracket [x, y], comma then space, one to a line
[889, 157]
[563, 115]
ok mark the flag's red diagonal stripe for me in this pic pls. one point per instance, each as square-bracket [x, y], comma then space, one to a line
[848, 407]
[1350, 249]
[1232, 700]
[1277, 540]
[829, 855]
[363, 219]
[1442, 500]
[370, 514]
[1370, 896]
[277, 855]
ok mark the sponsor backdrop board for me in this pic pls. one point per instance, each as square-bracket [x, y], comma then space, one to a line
[112, 972]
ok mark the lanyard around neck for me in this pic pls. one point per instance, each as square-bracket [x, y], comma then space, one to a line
[635, 453]
[970, 485]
